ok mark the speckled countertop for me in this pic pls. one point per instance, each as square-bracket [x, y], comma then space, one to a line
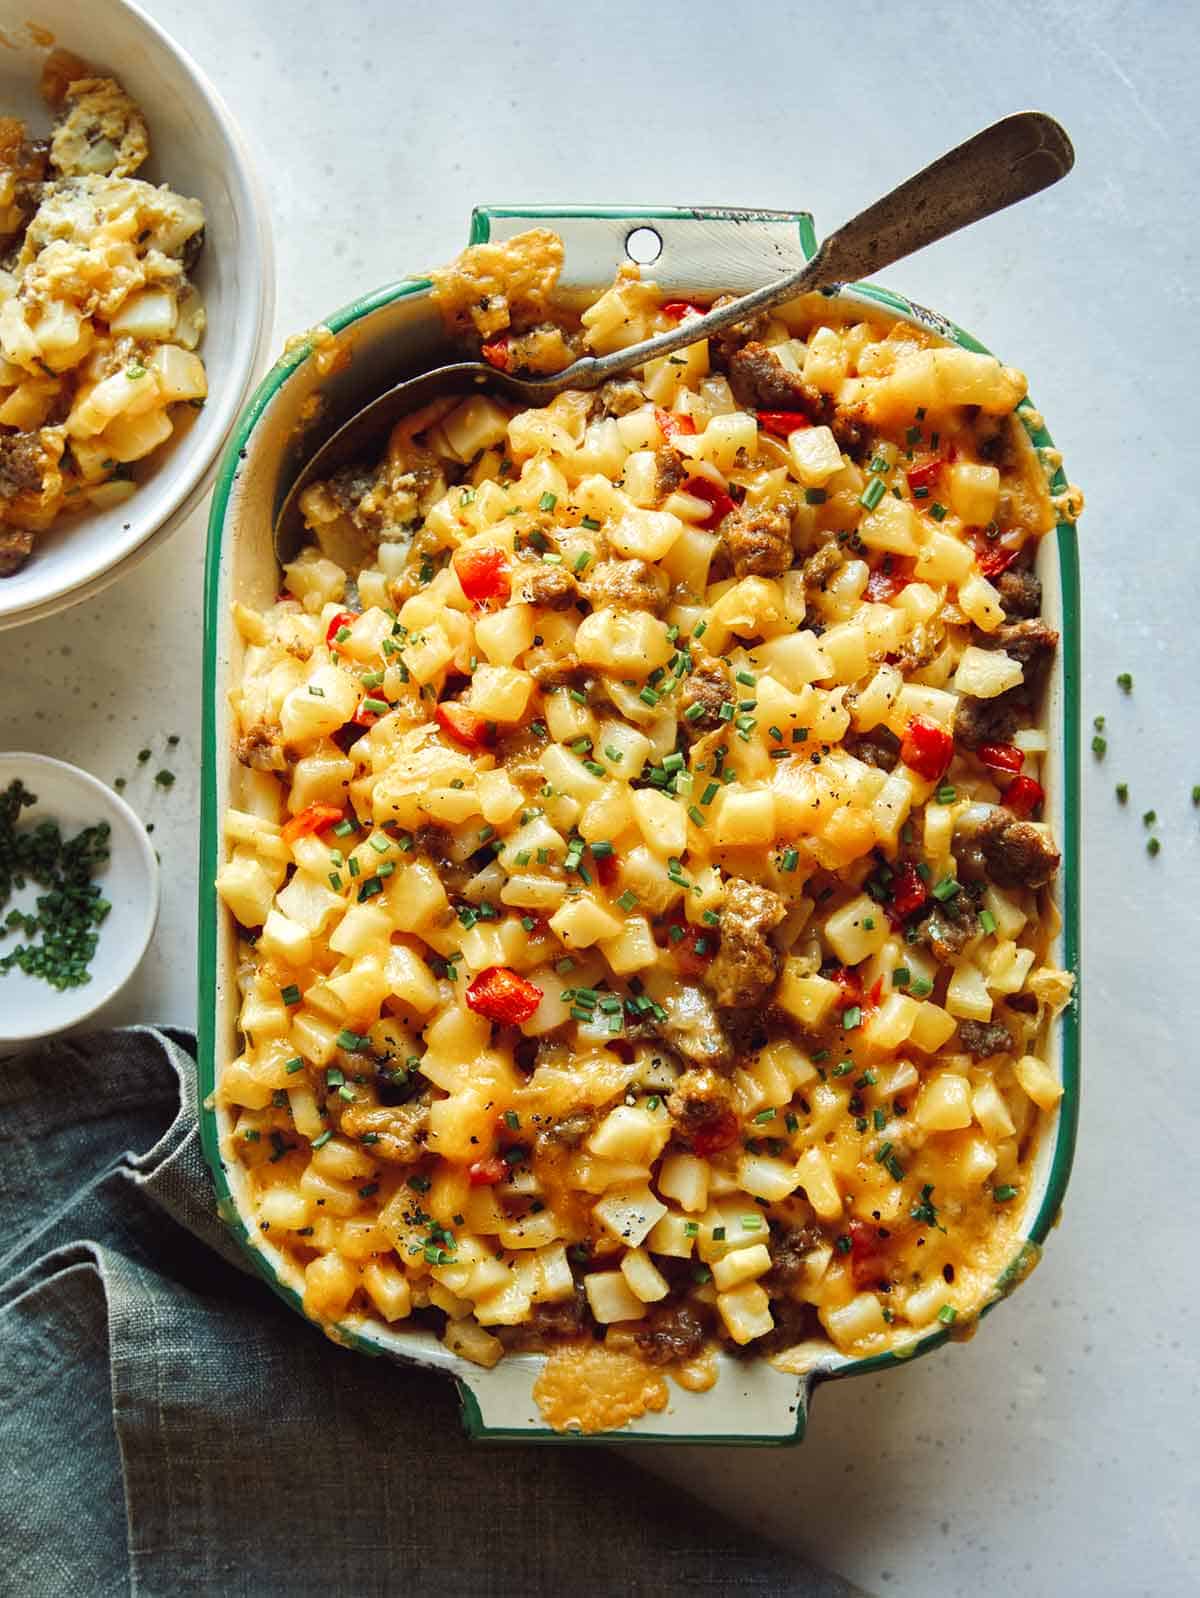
[1057, 1453]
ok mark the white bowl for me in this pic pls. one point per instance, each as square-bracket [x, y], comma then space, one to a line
[29, 1007]
[197, 149]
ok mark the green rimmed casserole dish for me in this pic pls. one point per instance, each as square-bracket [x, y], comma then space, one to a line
[395, 332]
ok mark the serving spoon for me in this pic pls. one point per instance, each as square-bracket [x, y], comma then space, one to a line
[1018, 156]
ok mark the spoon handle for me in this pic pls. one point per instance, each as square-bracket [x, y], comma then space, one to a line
[1014, 158]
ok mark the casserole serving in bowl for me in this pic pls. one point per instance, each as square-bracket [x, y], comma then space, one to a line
[841, 982]
[134, 268]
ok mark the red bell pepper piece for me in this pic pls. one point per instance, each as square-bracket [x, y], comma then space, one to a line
[1023, 796]
[924, 477]
[483, 575]
[463, 725]
[720, 1133]
[908, 892]
[678, 309]
[486, 1173]
[1001, 757]
[884, 585]
[673, 424]
[781, 423]
[344, 618]
[608, 869]
[849, 983]
[993, 555]
[502, 995]
[868, 1254]
[315, 818]
[927, 748]
[701, 488]
[498, 353]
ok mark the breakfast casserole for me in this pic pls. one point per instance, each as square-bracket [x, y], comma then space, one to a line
[644, 892]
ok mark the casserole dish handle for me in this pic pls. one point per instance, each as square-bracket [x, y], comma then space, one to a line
[751, 1403]
[704, 251]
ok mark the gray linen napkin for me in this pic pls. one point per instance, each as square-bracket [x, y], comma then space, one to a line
[169, 1427]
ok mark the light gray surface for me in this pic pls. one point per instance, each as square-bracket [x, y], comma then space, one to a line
[1057, 1453]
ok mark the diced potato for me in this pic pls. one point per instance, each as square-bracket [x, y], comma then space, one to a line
[505, 634]
[286, 940]
[131, 437]
[581, 922]
[795, 659]
[808, 998]
[763, 1176]
[893, 526]
[931, 1027]
[967, 995]
[180, 373]
[742, 1265]
[644, 1279]
[671, 1237]
[857, 931]
[330, 1282]
[633, 949]
[319, 706]
[1038, 1081]
[246, 889]
[684, 1178]
[389, 1290]
[630, 1213]
[943, 559]
[500, 693]
[985, 673]
[819, 1184]
[631, 1133]
[662, 821]
[972, 491]
[850, 1323]
[743, 816]
[992, 1113]
[410, 980]
[284, 1209]
[944, 1103]
[980, 601]
[746, 1311]
[363, 927]
[644, 534]
[610, 1298]
[629, 643]
[815, 455]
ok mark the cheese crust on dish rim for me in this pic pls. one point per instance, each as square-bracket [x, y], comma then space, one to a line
[639, 851]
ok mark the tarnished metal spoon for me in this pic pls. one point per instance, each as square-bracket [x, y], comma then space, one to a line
[1018, 156]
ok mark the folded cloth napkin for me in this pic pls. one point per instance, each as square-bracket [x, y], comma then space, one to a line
[168, 1426]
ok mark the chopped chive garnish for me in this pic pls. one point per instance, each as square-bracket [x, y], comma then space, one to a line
[947, 1315]
[1149, 818]
[290, 995]
[548, 501]
[1152, 846]
[945, 889]
[1003, 1194]
[628, 899]
[1123, 793]
[946, 794]
[987, 921]
[320, 1142]
[815, 496]
[1125, 682]
[590, 522]
[294, 1065]
[873, 493]
[1099, 745]
[938, 512]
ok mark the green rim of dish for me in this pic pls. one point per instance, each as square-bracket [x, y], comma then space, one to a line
[210, 833]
